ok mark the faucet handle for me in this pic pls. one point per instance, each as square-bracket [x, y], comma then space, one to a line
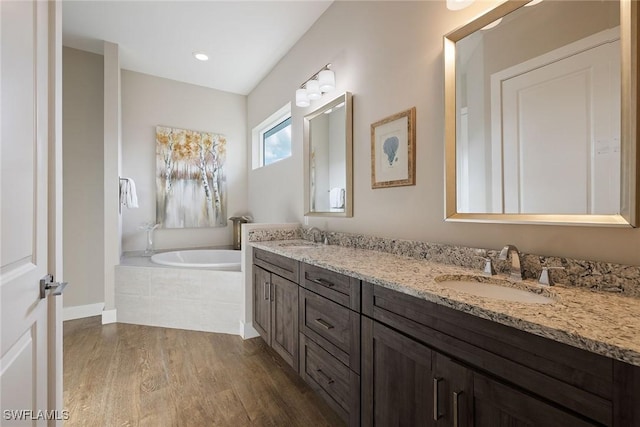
[545, 277]
[488, 267]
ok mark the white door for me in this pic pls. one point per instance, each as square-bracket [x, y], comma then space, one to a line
[562, 156]
[25, 376]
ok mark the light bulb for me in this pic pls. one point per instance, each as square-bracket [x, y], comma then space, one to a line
[327, 80]
[301, 98]
[313, 90]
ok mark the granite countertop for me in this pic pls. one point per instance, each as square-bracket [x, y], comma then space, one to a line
[603, 323]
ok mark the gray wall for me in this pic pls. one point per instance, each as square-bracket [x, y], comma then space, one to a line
[390, 56]
[149, 101]
[83, 166]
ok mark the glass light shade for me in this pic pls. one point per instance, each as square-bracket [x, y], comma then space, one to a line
[301, 98]
[458, 4]
[313, 90]
[327, 80]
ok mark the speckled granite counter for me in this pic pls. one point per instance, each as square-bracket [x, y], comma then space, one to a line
[604, 323]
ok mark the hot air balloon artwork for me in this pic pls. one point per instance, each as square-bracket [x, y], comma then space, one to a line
[393, 150]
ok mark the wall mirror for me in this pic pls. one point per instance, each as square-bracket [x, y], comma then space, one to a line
[541, 113]
[328, 138]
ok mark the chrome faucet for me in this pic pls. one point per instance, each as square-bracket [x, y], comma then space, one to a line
[516, 271]
[323, 236]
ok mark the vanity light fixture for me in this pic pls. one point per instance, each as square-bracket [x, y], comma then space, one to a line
[201, 56]
[312, 89]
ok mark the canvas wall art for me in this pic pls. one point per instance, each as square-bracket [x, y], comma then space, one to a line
[190, 179]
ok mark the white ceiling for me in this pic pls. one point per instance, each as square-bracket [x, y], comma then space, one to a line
[244, 39]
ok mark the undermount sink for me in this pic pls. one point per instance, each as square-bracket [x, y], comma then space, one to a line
[493, 289]
[299, 245]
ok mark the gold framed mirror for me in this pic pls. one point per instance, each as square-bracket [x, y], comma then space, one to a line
[328, 139]
[541, 114]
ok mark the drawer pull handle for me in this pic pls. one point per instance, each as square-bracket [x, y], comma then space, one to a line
[327, 378]
[436, 412]
[456, 403]
[322, 282]
[324, 324]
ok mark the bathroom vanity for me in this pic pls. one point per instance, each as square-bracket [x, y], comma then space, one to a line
[384, 344]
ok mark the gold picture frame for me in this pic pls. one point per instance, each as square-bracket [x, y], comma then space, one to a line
[393, 150]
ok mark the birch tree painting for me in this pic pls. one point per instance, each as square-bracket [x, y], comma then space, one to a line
[190, 181]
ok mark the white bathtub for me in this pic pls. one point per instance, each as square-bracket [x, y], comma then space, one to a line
[204, 298]
[219, 259]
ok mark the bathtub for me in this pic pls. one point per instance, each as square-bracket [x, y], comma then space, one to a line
[219, 259]
[206, 296]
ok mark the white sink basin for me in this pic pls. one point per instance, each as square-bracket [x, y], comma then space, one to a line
[494, 291]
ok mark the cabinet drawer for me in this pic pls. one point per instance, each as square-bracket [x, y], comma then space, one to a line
[282, 266]
[337, 287]
[334, 327]
[334, 381]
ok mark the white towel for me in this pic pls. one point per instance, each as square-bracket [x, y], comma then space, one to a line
[128, 196]
[336, 198]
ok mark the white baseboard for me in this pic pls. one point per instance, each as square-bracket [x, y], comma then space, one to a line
[82, 311]
[247, 331]
[109, 316]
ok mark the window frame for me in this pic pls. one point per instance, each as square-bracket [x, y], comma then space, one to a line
[273, 124]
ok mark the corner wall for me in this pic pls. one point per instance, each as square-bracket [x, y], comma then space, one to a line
[83, 165]
[390, 56]
[149, 101]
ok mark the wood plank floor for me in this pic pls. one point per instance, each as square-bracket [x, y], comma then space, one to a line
[130, 375]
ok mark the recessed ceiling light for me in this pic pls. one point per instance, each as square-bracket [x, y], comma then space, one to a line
[201, 56]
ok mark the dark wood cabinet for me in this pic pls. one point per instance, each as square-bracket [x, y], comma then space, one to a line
[262, 303]
[487, 374]
[284, 319]
[453, 392]
[275, 311]
[406, 383]
[380, 357]
[498, 405]
[397, 378]
[330, 338]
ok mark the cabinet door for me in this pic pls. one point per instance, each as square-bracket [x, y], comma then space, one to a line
[262, 303]
[397, 378]
[284, 319]
[497, 405]
[453, 391]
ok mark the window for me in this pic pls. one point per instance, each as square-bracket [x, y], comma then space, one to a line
[276, 142]
[272, 138]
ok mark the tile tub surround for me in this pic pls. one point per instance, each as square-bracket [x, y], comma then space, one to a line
[595, 275]
[600, 322]
[183, 298]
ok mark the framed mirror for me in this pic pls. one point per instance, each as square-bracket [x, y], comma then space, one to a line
[541, 113]
[328, 138]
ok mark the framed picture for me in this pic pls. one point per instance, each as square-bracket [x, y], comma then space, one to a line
[393, 150]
